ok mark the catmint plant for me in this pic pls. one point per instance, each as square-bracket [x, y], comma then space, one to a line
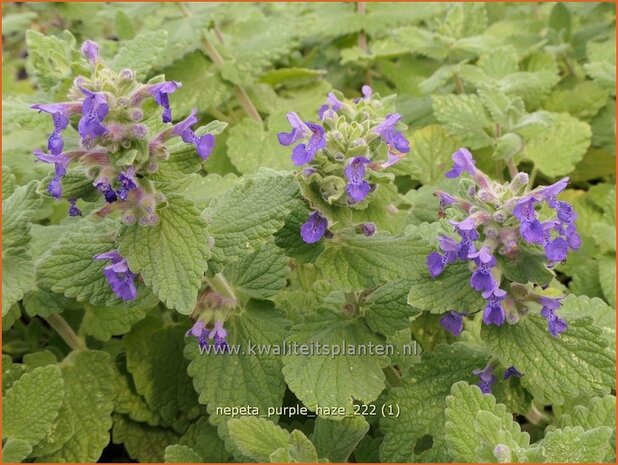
[121, 144]
[345, 157]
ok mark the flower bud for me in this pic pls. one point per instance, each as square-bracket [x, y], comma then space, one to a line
[127, 75]
[137, 114]
[519, 183]
[367, 229]
[139, 131]
[502, 453]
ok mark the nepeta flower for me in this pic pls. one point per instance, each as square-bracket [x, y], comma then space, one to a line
[512, 371]
[494, 313]
[218, 334]
[463, 163]
[367, 92]
[104, 186]
[555, 325]
[482, 279]
[303, 153]
[94, 110]
[486, 379]
[160, 92]
[549, 193]
[90, 50]
[200, 332]
[453, 322]
[332, 103]
[204, 145]
[394, 139]
[127, 181]
[118, 275]
[357, 187]
[60, 115]
[314, 228]
[60, 162]
[530, 227]
[73, 209]
[368, 229]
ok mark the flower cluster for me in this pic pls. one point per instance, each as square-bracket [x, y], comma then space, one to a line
[121, 145]
[117, 149]
[498, 220]
[343, 152]
[206, 336]
[487, 378]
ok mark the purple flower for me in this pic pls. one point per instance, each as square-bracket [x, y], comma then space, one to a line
[367, 92]
[453, 322]
[435, 264]
[60, 115]
[200, 332]
[357, 187]
[486, 379]
[73, 210]
[549, 193]
[482, 279]
[160, 92]
[314, 228]
[494, 314]
[565, 212]
[463, 163]
[368, 229]
[555, 325]
[204, 145]
[303, 153]
[512, 371]
[94, 110]
[332, 103]
[118, 275]
[393, 138]
[127, 182]
[530, 227]
[219, 335]
[60, 162]
[103, 185]
[90, 50]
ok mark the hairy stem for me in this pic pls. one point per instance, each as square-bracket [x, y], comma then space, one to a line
[219, 284]
[63, 329]
[362, 37]
[217, 59]
[510, 164]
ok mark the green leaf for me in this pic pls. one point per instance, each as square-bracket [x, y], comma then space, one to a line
[430, 156]
[261, 274]
[386, 308]
[142, 442]
[492, 425]
[600, 411]
[526, 265]
[576, 363]
[450, 290]
[155, 359]
[556, 150]
[289, 238]
[256, 378]
[172, 255]
[238, 225]
[583, 101]
[18, 211]
[104, 322]
[330, 379]
[8, 182]
[59, 434]
[140, 53]
[202, 437]
[603, 315]
[364, 262]
[263, 441]
[177, 453]
[464, 117]
[336, 440]
[31, 405]
[11, 372]
[576, 445]
[607, 275]
[422, 398]
[90, 397]
[291, 76]
[51, 58]
[251, 147]
[15, 450]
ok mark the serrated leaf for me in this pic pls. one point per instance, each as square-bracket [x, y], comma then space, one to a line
[256, 438]
[464, 117]
[256, 377]
[51, 58]
[557, 149]
[202, 437]
[336, 440]
[104, 322]
[177, 453]
[15, 450]
[31, 405]
[172, 255]
[140, 53]
[142, 442]
[576, 445]
[600, 411]
[238, 226]
[493, 425]
[364, 262]
[574, 364]
[422, 398]
[17, 214]
[330, 380]
[260, 274]
[449, 291]
[526, 266]
[603, 315]
[89, 395]
[386, 309]
[583, 101]
[155, 359]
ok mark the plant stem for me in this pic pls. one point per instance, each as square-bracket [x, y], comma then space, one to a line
[532, 178]
[512, 167]
[217, 59]
[392, 376]
[219, 284]
[67, 334]
[458, 85]
[362, 37]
